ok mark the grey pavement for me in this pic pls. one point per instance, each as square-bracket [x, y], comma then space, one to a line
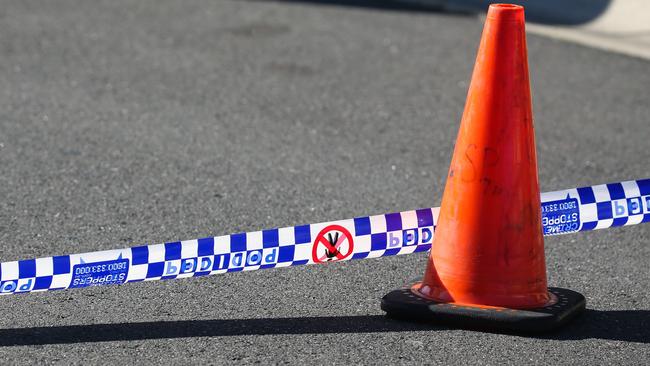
[132, 122]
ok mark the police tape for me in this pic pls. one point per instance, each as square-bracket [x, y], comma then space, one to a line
[563, 212]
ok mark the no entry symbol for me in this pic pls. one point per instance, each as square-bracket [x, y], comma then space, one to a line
[333, 243]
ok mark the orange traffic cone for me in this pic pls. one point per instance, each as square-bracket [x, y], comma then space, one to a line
[487, 266]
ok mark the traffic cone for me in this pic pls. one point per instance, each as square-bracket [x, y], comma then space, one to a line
[487, 267]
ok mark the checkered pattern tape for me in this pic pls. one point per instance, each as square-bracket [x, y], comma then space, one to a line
[596, 207]
[566, 211]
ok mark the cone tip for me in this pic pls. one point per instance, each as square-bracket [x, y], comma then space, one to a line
[506, 12]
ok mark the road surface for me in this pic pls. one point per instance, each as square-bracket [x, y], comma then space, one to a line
[132, 122]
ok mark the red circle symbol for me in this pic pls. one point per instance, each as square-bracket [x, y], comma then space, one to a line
[333, 243]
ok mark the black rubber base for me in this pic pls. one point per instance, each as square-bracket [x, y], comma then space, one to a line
[404, 304]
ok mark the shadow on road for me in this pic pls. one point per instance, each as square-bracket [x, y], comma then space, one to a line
[628, 326]
[557, 12]
[615, 325]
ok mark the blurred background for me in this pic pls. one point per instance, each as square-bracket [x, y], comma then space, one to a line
[616, 25]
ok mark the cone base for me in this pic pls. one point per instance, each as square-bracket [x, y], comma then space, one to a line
[406, 305]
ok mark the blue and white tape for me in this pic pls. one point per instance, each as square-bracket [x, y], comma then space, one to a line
[566, 211]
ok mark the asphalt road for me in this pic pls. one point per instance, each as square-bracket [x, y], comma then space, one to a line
[131, 122]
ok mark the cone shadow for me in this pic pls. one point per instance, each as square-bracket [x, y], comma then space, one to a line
[624, 325]
[615, 325]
